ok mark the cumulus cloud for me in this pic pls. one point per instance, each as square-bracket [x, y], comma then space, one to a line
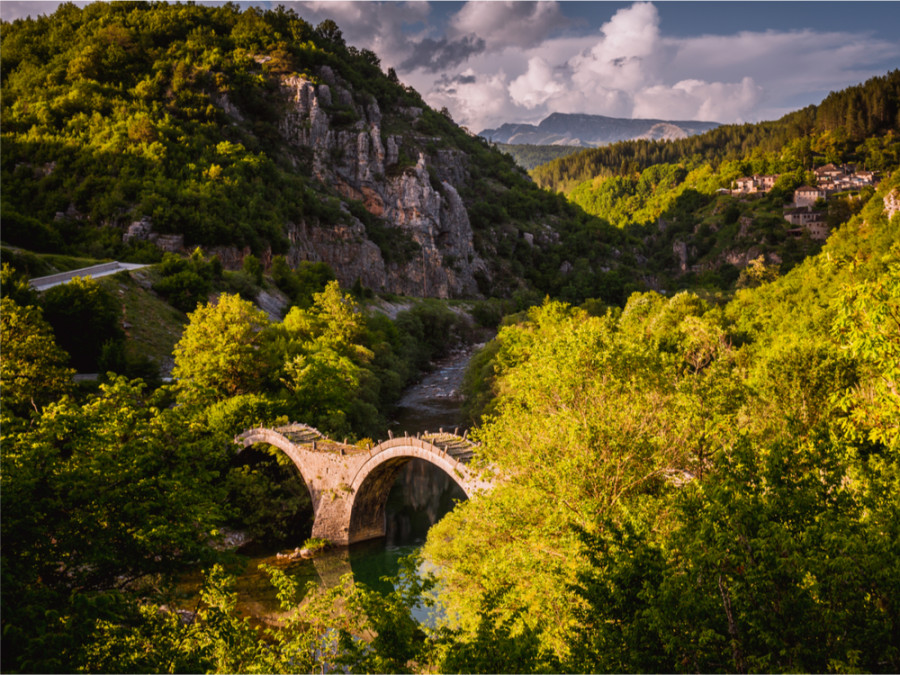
[537, 85]
[438, 55]
[698, 100]
[626, 55]
[630, 68]
[508, 24]
[470, 96]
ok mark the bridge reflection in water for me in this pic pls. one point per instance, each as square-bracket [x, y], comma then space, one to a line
[421, 496]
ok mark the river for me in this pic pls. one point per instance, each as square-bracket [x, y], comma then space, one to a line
[422, 495]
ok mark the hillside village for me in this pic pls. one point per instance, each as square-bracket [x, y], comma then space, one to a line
[805, 213]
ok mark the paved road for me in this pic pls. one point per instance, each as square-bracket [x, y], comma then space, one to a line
[102, 270]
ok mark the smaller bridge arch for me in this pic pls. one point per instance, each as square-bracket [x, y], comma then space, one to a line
[349, 485]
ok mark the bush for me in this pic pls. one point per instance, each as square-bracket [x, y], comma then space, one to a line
[84, 317]
[242, 284]
[183, 290]
[187, 281]
[488, 313]
[246, 411]
[253, 268]
[30, 233]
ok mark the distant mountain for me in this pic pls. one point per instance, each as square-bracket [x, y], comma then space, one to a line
[590, 131]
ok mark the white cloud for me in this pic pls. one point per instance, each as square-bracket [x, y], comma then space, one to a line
[537, 85]
[470, 96]
[626, 55]
[798, 60]
[506, 24]
[629, 68]
[698, 100]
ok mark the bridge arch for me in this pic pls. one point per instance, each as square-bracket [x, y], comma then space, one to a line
[374, 479]
[275, 439]
[349, 486]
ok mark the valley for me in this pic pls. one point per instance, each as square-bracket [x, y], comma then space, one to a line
[672, 362]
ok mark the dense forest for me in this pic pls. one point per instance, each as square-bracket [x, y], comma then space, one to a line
[695, 480]
[532, 156]
[684, 484]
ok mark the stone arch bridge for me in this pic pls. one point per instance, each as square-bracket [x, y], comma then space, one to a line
[349, 485]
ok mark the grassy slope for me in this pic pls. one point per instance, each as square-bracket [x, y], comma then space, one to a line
[153, 326]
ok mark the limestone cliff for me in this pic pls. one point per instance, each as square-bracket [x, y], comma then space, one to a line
[360, 162]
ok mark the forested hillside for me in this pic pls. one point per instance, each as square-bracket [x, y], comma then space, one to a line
[130, 127]
[694, 486]
[858, 124]
[532, 156]
[678, 198]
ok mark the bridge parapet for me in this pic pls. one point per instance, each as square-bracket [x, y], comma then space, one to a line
[300, 433]
[458, 447]
[310, 438]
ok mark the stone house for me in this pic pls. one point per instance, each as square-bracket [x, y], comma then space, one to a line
[830, 171]
[807, 219]
[817, 230]
[803, 215]
[754, 184]
[843, 178]
[807, 195]
[767, 182]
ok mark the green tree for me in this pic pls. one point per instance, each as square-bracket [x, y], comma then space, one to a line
[760, 569]
[221, 352]
[98, 498]
[187, 282]
[84, 316]
[33, 369]
[868, 325]
[326, 365]
[253, 267]
[756, 273]
[15, 286]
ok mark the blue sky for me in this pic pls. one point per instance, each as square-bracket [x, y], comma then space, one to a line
[495, 62]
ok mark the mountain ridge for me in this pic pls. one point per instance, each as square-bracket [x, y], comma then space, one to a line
[585, 130]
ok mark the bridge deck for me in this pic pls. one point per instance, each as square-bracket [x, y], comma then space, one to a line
[458, 447]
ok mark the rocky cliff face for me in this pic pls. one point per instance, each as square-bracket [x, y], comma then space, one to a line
[399, 182]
